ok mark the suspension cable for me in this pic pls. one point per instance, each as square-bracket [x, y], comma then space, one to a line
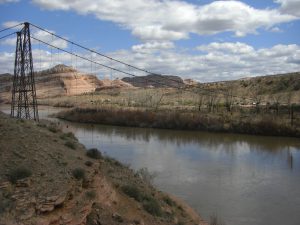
[135, 67]
[8, 28]
[7, 35]
[211, 92]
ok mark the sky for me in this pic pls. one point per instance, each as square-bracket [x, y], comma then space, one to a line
[199, 39]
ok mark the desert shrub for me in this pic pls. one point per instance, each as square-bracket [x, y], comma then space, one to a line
[70, 144]
[113, 161]
[18, 173]
[94, 153]
[78, 173]
[5, 204]
[53, 129]
[70, 135]
[90, 195]
[133, 192]
[41, 125]
[152, 207]
[169, 201]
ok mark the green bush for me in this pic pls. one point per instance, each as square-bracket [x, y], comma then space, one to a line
[90, 195]
[94, 153]
[53, 129]
[78, 173]
[70, 144]
[70, 135]
[149, 203]
[152, 207]
[18, 173]
[113, 161]
[169, 201]
[5, 204]
[133, 192]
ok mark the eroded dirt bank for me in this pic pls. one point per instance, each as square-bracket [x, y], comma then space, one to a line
[46, 177]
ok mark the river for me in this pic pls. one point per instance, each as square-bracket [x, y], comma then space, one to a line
[243, 179]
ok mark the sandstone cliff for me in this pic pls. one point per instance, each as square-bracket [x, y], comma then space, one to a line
[61, 80]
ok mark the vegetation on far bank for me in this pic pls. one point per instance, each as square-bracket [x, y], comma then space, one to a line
[268, 105]
[248, 122]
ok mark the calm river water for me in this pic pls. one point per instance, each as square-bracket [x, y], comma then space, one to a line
[243, 179]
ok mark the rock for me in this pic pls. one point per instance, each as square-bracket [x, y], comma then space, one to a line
[60, 200]
[117, 217]
[51, 198]
[46, 208]
[4, 185]
[66, 219]
[23, 182]
[138, 222]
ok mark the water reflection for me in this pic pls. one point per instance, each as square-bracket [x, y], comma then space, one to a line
[245, 179]
[213, 141]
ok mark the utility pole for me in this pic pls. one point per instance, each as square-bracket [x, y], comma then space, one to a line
[24, 102]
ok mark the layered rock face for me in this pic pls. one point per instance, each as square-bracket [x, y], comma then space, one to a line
[60, 80]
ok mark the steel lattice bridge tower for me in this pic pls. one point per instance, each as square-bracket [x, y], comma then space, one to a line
[24, 102]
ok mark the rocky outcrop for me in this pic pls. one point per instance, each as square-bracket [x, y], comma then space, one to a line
[113, 84]
[190, 82]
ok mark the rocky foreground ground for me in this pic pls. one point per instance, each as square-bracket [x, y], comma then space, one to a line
[46, 177]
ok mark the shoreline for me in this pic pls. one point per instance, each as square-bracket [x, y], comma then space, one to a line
[178, 121]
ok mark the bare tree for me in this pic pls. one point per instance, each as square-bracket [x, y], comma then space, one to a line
[290, 105]
[257, 99]
[211, 102]
[276, 100]
[229, 99]
[200, 100]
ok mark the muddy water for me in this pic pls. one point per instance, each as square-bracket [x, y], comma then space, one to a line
[243, 179]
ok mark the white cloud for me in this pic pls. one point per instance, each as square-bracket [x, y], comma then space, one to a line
[46, 37]
[153, 46]
[291, 7]
[9, 41]
[11, 24]
[276, 30]
[39, 34]
[174, 20]
[213, 62]
[229, 47]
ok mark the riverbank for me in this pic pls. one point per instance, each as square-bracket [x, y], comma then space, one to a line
[46, 177]
[255, 125]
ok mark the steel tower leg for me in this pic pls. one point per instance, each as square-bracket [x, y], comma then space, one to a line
[24, 103]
